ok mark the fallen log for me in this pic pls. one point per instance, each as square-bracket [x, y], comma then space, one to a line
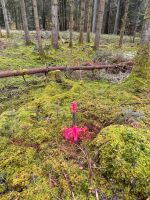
[11, 73]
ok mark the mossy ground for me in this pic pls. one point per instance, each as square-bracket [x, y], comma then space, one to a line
[36, 162]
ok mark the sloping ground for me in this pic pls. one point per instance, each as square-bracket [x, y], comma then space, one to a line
[37, 163]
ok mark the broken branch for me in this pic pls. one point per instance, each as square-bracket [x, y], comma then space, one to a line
[11, 73]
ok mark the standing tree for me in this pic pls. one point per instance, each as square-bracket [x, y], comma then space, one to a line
[81, 38]
[146, 26]
[108, 10]
[94, 16]
[5, 18]
[137, 16]
[55, 24]
[99, 22]
[71, 22]
[117, 18]
[37, 26]
[89, 17]
[124, 20]
[0, 32]
[25, 23]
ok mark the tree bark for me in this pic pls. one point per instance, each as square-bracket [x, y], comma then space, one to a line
[117, 18]
[106, 30]
[89, 19]
[55, 24]
[11, 73]
[146, 26]
[81, 37]
[99, 22]
[94, 16]
[0, 32]
[37, 26]
[124, 20]
[25, 22]
[71, 22]
[5, 18]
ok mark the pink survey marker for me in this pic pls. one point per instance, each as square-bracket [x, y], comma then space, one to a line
[72, 134]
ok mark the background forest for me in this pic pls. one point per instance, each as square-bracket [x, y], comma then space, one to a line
[94, 52]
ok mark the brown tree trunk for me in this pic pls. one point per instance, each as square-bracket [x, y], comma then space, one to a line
[146, 26]
[81, 37]
[37, 26]
[99, 22]
[94, 15]
[5, 18]
[71, 22]
[124, 20]
[89, 19]
[108, 11]
[25, 23]
[0, 32]
[55, 24]
[117, 18]
[11, 73]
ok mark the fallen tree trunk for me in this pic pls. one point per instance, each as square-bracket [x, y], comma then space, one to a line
[11, 73]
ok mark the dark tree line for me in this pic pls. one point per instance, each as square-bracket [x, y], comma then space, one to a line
[84, 16]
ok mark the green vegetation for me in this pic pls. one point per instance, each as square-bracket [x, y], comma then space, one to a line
[36, 162]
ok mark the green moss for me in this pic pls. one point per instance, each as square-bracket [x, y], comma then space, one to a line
[123, 155]
[35, 161]
[139, 79]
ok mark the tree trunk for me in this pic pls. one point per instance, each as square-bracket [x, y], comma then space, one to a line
[37, 26]
[135, 28]
[5, 18]
[11, 73]
[89, 17]
[94, 16]
[124, 20]
[86, 15]
[25, 23]
[146, 26]
[117, 18]
[71, 22]
[106, 30]
[0, 32]
[43, 15]
[81, 37]
[99, 22]
[55, 24]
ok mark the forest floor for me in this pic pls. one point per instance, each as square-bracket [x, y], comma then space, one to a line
[35, 161]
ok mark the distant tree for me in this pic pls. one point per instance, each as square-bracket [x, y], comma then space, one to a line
[94, 16]
[146, 26]
[137, 16]
[55, 24]
[108, 10]
[81, 38]
[89, 19]
[0, 32]
[99, 22]
[71, 2]
[117, 18]
[124, 20]
[37, 26]
[25, 22]
[5, 18]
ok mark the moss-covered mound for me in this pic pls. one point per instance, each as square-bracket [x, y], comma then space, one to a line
[123, 156]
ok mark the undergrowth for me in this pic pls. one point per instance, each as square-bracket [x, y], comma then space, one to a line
[37, 163]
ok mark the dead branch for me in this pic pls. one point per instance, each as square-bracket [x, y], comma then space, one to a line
[11, 73]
